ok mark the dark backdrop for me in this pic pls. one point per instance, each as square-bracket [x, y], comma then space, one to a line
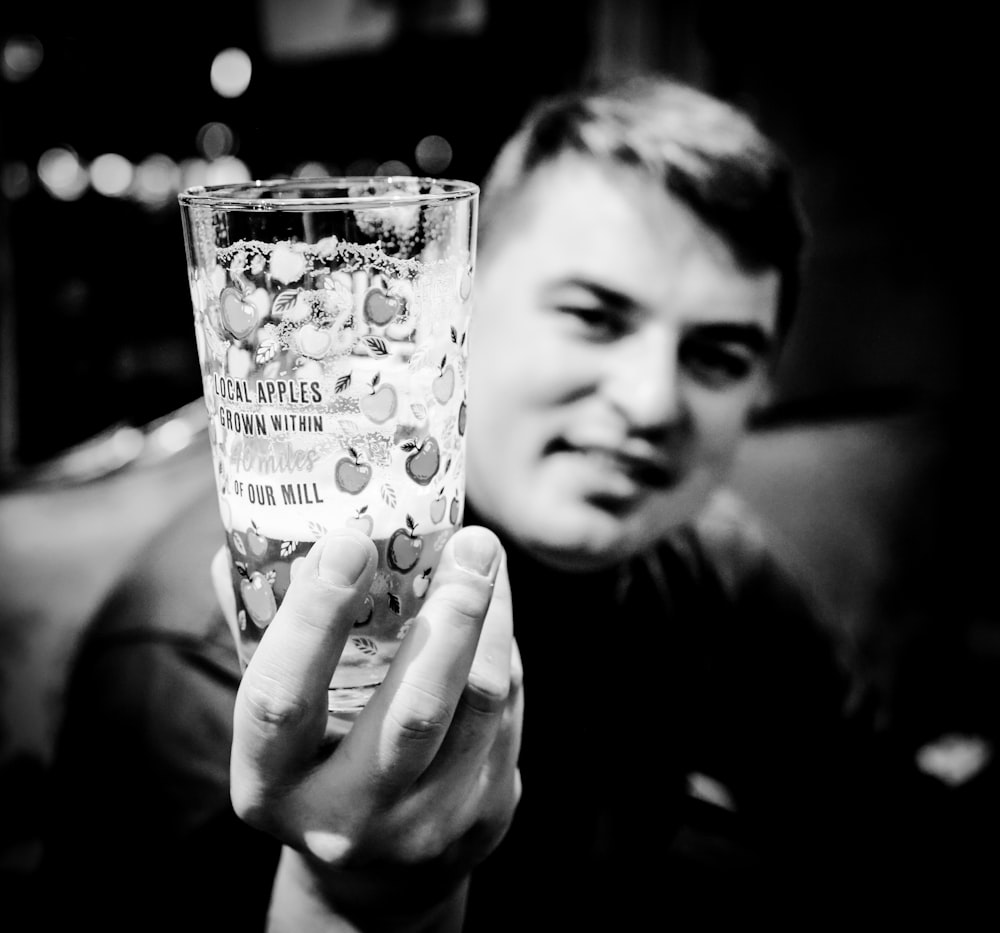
[883, 113]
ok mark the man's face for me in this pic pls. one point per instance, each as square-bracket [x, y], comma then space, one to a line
[616, 350]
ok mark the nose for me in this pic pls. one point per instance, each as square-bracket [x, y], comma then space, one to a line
[643, 381]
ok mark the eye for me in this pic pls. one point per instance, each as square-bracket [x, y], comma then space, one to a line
[597, 321]
[717, 363]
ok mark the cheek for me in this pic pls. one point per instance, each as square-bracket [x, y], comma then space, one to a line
[721, 420]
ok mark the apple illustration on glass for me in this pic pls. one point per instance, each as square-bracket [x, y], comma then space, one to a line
[422, 465]
[361, 521]
[367, 611]
[461, 418]
[380, 404]
[314, 342]
[350, 474]
[258, 598]
[379, 308]
[256, 542]
[403, 549]
[239, 314]
[421, 583]
[439, 506]
[455, 512]
[443, 386]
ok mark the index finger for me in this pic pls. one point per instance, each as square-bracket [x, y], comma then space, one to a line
[401, 729]
[281, 706]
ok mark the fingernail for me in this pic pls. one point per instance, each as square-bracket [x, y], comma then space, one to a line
[343, 560]
[476, 552]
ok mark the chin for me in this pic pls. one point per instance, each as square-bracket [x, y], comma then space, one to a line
[587, 538]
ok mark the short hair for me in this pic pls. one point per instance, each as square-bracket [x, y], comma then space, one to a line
[706, 152]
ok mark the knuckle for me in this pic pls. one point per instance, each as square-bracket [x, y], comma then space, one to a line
[486, 696]
[425, 842]
[421, 712]
[271, 705]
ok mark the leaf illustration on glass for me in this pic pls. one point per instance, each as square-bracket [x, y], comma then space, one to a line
[388, 494]
[342, 383]
[271, 576]
[376, 346]
[241, 568]
[410, 523]
[267, 351]
[365, 645]
[317, 529]
[454, 335]
[394, 603]
[419, 411]
[287, 547]
[284, 301]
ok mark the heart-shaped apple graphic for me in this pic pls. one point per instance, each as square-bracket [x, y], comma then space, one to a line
[258, 598]
[404, 547]
[350, 474]
[256, 542]
[380, 308]
[422, 465]
[438, 506]
[313, 341]
[361, 521]
[380, 404]
[461, 418]
[239, 314]
[443, 386]
[421, 583]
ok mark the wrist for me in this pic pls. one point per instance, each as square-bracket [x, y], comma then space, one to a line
[307, 898]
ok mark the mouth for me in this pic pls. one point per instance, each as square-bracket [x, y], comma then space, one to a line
[646, 471]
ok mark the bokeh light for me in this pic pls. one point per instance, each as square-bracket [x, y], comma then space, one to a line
[21, 57]
[15, 180]
[393, 167]
[311, 170]
[231, 72]
[60, 172]
[194, 172]
[157, 179]
[433, 154]
[215, 140]
[226, 171]
[111, 174]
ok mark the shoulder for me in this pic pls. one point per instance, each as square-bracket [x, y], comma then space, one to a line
[761, 611]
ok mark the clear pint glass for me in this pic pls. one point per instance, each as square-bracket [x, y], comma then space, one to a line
[331, 317]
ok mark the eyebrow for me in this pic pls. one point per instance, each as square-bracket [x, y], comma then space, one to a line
[752, 336]
[607, 296]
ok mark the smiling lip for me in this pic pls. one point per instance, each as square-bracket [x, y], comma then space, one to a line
[645, 471]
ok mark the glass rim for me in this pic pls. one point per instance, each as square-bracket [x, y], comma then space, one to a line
[253, 195]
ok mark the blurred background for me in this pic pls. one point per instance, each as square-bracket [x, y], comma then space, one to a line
[874, 468]
[105, 117]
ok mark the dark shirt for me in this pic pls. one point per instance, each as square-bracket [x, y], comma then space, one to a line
[699, 666]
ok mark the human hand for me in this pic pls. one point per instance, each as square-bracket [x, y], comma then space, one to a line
[381, 825]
